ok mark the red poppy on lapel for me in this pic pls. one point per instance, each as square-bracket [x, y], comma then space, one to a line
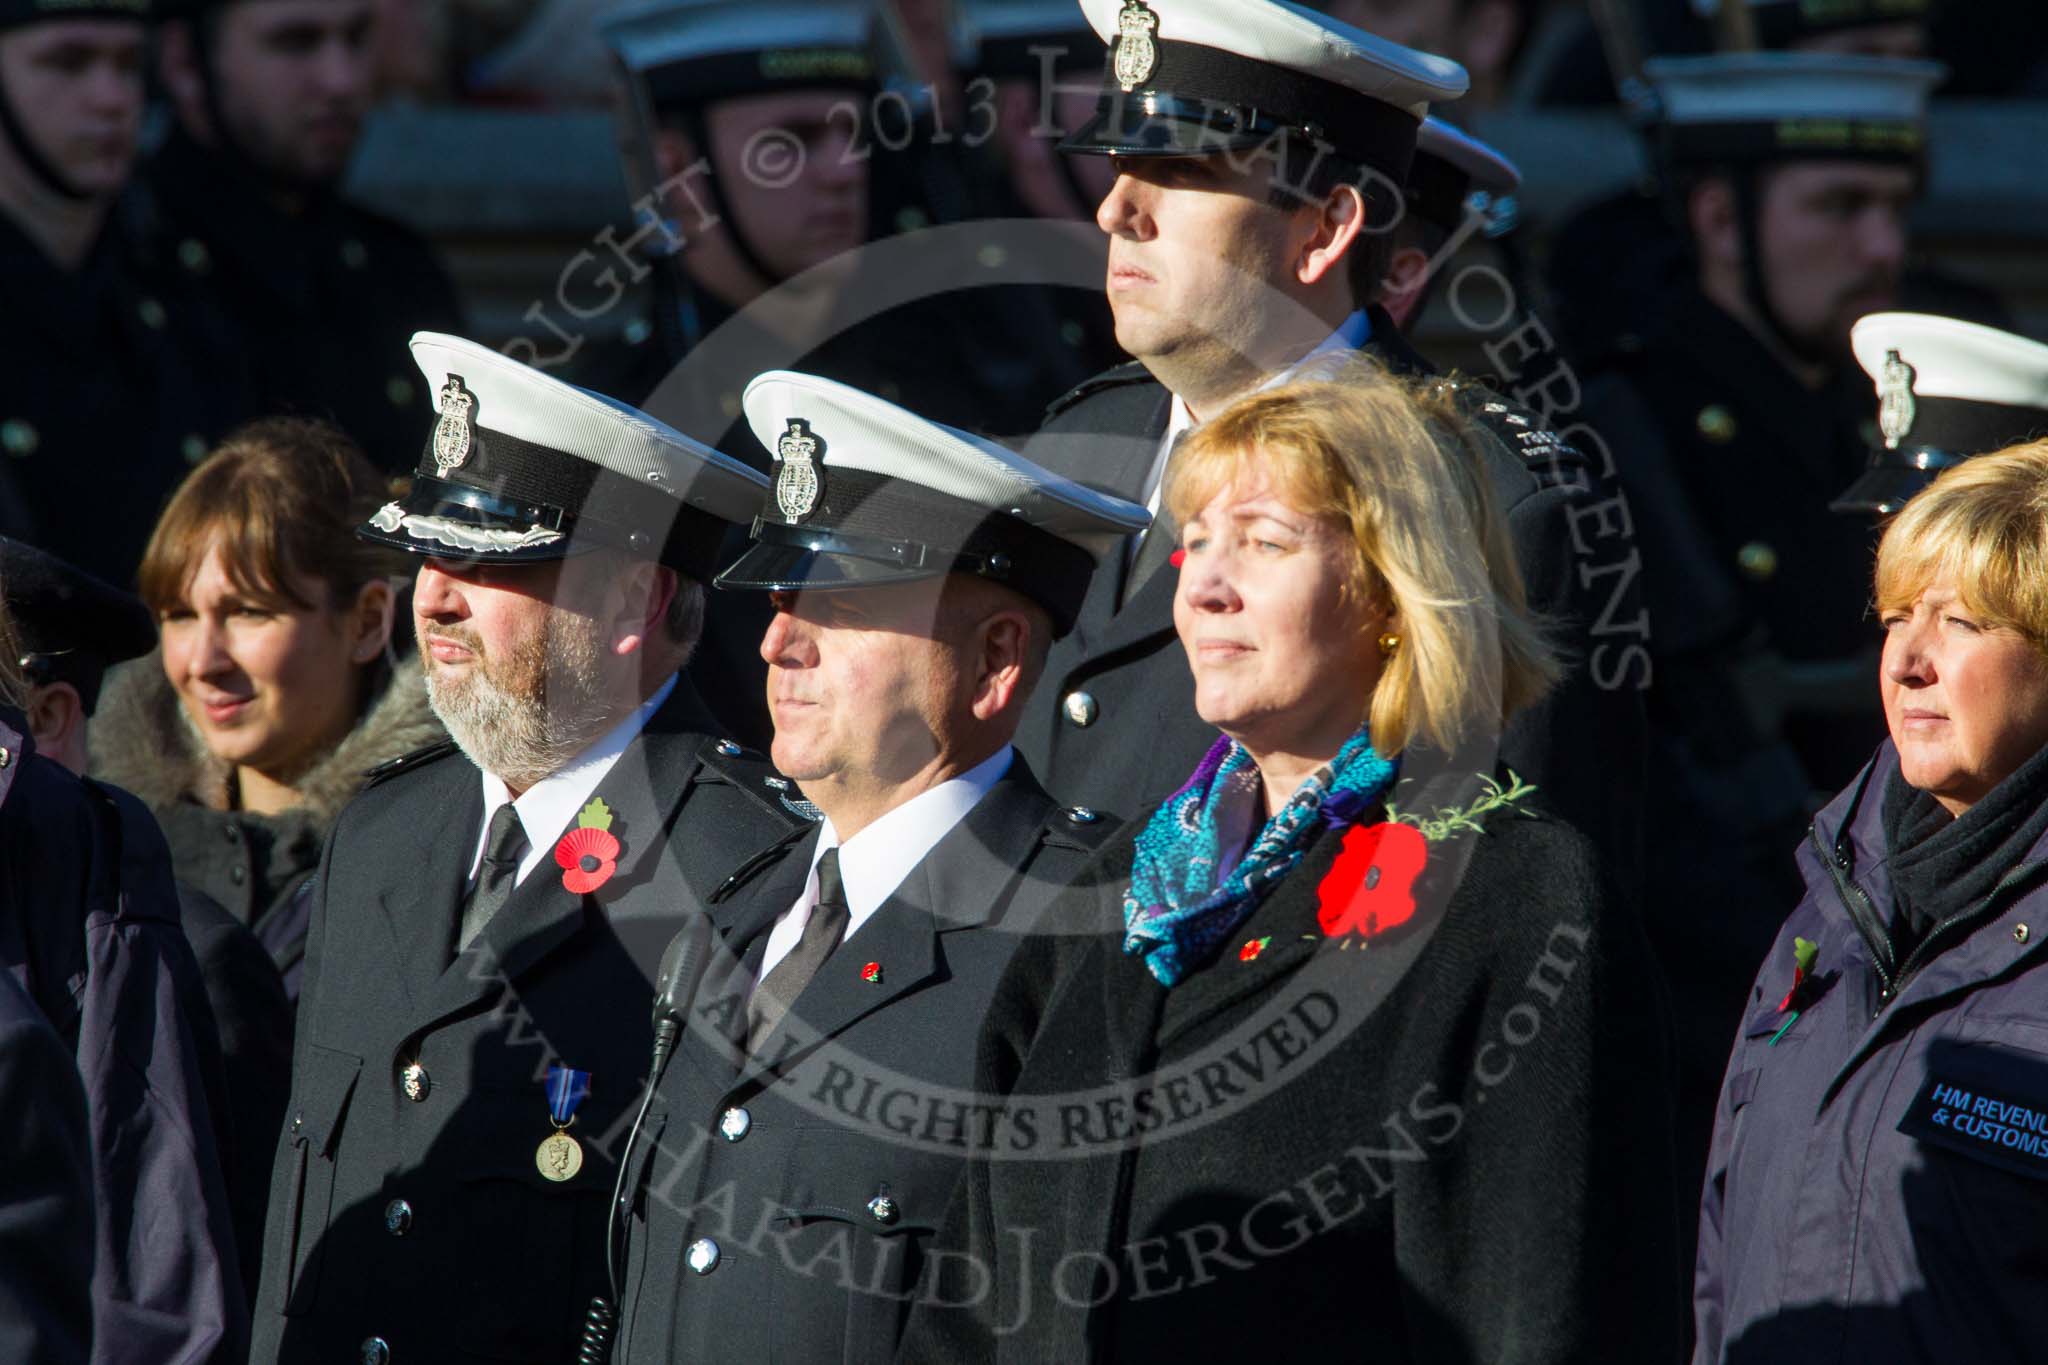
[1177, 558]
[1371, 887]
[589, 853]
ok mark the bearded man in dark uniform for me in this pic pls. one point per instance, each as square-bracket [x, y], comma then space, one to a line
[489, 914]
[319, 293]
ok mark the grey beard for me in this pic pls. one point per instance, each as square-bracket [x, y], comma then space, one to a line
[526, 735]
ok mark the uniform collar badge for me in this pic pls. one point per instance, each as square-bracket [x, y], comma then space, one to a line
[1137, 56]
[798, 479]
[455, 433]
[1895, 406]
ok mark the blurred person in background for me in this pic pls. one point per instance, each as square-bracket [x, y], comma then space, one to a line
[114, 371]
[90, 931]
[1458, 188]
[320, 294]
[1886, 1103]
[746, 128]
[277, 685]
[1349, 607]
[1734, 424]
[72, 629]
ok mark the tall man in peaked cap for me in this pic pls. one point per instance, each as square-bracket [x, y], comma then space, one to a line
[489, 913]
[811, 1126]
[1260, 151]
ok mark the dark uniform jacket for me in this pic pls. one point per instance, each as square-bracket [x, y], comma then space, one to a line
[1878, 1185]
[114, 377]
[89, 925]
[1446, 1142]
[320, 303]
[46, 1205]
[820, 1170]
[1729, 464]
[1115, 723]
[409, 1220]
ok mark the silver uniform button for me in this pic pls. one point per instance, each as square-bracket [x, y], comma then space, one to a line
[416, 1082]
[734, 1123]
[398, 1218]
[1081, 709]
[376, 1351]
[702, 1256]
[883, 1208]
[1082, 815]
[729, 749]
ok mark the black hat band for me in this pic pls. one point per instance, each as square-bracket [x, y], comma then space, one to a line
[13, 12]
[508, 481]
[1899, 141]
[926, 533]
[726, 75]
[1437, 191]
[1206, 86]
[1957, 428]
[1785, 22]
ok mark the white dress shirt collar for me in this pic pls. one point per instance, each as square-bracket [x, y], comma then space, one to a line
[546, 808]
[875, 862]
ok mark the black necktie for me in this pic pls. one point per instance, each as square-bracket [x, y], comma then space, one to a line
[822, 932]
[1160, 541]
[504, 847]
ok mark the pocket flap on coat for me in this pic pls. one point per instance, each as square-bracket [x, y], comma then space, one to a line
[324, 1090]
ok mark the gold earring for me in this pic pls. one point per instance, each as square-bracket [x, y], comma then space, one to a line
[1389, 642]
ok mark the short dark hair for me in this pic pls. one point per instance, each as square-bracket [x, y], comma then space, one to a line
[1306, 173]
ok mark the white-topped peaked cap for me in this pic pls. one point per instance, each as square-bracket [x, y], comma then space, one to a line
[1946, 390]
[1753, 106]
[522, 466]
[866, 492]
[1191, 77]
[1451, 166]
[697, 50]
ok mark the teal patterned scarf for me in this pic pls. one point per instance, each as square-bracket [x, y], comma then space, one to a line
[1198, 869]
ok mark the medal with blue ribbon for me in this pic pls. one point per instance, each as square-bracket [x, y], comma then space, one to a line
[561, 1156]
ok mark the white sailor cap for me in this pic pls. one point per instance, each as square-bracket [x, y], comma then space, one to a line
[1010, 37]
[1946, 390]
[1192, 77]
[1792, 106]
[523, 467]
[1454, 170]
[1780, 23]
[689, 53]
[867, 493]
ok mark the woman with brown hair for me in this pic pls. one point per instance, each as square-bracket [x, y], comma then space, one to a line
[276, 685]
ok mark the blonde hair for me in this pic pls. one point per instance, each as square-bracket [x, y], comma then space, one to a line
[1982, 525]
[1395, 464]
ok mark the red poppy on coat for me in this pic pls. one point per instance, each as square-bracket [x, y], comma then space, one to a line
[588, 857]
[1371, 887]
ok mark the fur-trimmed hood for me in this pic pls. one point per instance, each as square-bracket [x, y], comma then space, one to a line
[140, 739]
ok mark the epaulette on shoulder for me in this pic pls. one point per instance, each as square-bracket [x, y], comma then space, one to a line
[1544, 452]
[406, 763]
[1132, 373]
[750, 772]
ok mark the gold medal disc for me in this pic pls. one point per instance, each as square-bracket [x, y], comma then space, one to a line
[560, 1156]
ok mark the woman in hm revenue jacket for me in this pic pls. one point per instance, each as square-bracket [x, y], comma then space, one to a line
[1878, 1185]
[1345, 1046]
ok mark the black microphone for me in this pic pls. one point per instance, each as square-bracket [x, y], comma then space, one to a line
[682, 967]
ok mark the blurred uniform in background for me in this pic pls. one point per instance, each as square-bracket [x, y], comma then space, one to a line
[750, 137]
[1734, 424]
[320, 295]
[112, 376]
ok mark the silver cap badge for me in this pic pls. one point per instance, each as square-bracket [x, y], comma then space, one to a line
[455, 433]
[798, 479]
[1136, 55]
[1895, 406]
